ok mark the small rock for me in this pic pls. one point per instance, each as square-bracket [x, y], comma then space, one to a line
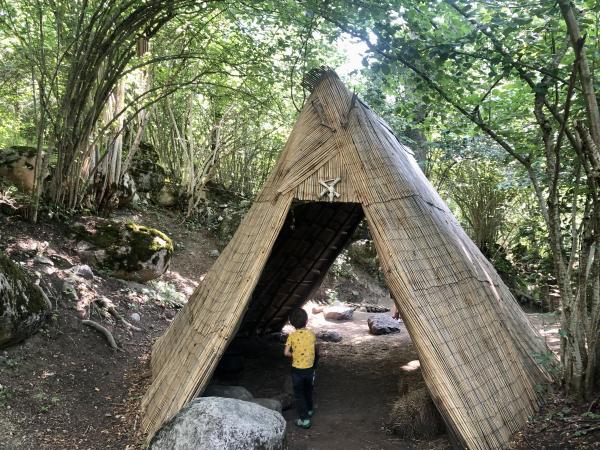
[354, 293]
[82, 270]
[237, 392]
[170, 314]
[135, 317]
[214, 253]
[41, 259]
[383, 324]
[269, 403]
[338, 313]
[317, 309]
[69, 291]
[329, 336]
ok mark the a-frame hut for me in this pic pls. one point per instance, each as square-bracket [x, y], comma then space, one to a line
[340, 164]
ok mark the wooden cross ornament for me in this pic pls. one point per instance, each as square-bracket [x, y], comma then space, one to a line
[329, 190]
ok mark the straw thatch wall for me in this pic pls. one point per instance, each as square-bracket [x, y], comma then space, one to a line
[475, 344]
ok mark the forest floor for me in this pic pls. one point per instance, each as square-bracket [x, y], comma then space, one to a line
[64, 388]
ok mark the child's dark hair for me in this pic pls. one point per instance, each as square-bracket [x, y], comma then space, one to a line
[298, 318]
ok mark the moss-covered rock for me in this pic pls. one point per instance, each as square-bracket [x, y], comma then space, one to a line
[128, 250]
[23, 305]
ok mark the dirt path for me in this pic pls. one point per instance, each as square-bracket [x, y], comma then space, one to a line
[356, 381]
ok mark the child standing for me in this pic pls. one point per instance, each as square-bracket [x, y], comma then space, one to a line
[301, 346]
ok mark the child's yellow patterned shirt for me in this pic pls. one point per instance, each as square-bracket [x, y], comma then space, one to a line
[302, 343]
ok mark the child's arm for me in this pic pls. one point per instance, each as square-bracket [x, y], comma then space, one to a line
[287, 351]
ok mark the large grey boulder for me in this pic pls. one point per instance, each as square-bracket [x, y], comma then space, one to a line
[383, 324]
[23, 305]
[212, 423]
[128, 250]
[338, 312]
[236, 392]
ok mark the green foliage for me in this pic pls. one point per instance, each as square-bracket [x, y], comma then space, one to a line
[168, 295]
[341, 267]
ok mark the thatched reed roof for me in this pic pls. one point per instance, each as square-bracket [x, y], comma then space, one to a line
[475, 345]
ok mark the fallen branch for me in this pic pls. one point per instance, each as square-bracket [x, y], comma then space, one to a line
[107, 334]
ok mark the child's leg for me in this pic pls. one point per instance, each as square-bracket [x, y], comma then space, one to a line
[299, 393]
[308, 390]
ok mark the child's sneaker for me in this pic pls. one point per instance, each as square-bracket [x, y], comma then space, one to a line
[311, 413]
[303, 423]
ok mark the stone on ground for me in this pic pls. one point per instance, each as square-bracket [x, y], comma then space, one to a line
[235, 392]
[224, 424]
[82, 270]
[128, 250]
[338, 312]
[69, 292]
[23, 305]
[383, 324]
[329, 336]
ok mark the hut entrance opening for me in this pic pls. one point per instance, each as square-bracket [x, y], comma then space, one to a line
[357, 378]
[313, 235]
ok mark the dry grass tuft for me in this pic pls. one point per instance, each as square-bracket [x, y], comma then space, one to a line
[414, 414]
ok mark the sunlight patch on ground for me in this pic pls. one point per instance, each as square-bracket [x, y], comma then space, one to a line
[548, 326]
